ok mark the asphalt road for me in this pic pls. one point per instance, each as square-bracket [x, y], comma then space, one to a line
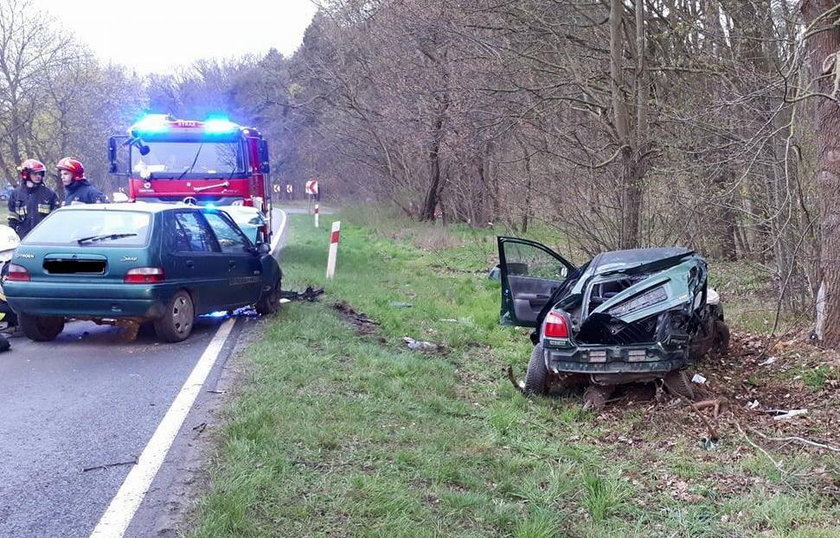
[75, 412]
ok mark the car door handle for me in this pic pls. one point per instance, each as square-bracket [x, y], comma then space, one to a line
[190, 264]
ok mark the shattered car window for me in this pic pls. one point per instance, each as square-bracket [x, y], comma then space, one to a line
[525, 260]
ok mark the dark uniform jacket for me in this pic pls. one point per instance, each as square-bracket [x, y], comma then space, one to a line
[28, 206]
[81, 191]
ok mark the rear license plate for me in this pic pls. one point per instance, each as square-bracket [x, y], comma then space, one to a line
[74, 267]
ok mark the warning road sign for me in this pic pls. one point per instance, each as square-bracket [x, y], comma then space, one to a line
[312, 187]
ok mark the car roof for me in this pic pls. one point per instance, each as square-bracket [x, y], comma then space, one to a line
[636, 257]
[141, 207]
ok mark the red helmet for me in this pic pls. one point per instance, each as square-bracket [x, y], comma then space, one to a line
[73, 166]
[31, 165]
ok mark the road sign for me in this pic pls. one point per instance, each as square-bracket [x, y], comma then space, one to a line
[276, 188]
[312, 187]
[289, 188]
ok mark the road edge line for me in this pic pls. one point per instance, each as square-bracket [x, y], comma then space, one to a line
[278, 235]
[120, 512]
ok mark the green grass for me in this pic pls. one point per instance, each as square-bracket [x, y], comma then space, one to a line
[340, 434]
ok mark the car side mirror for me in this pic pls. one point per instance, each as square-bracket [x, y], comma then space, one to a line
[264, 248]
[118, 155]
[265, 167]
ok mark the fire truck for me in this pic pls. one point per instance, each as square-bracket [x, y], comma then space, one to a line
[211, 162]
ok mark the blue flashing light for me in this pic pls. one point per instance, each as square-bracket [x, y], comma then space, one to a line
[219, 126]
[152, 123]
[219, 314]
[210, 206]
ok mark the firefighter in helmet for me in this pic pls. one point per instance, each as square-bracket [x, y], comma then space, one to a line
[77, 188]
[32, 201]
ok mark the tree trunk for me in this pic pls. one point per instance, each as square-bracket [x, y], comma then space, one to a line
[433, 192]
[631, 202]
[824, 45]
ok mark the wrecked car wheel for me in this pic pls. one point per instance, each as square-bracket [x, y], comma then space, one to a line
[721, 343]
[595, 397]
[269, 303]
[677, 383]
[536, 380]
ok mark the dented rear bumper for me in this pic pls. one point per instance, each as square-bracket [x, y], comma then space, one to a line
[614, 359]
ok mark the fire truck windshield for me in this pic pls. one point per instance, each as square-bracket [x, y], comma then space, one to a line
[188, 160]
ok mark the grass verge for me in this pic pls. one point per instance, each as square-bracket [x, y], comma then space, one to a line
[340, 430]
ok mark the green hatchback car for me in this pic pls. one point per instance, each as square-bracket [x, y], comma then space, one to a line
[159, 263]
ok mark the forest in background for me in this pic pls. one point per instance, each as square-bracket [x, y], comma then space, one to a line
[708, 123]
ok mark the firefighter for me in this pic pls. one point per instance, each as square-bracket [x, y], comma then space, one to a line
[78, 189]
[32, 201]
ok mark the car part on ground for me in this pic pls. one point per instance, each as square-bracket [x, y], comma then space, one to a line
[625, 316]
[310, 294]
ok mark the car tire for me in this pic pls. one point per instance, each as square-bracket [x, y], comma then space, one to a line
[677, 383]
[178, 318]
[595, 397]
[269, 303]
[721, 341]
[536, 380]
[41, 328]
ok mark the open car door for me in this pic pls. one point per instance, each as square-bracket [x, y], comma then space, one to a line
[530, 273]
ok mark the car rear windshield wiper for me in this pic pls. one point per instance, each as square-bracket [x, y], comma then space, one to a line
[102, 237]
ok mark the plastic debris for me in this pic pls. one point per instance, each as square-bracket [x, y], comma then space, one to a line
[699, 379]
[753, 404]
[790, 414]
[767, 362]
[420, 345]
[708, 443]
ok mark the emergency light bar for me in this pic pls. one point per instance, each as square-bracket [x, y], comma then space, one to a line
[160, 123]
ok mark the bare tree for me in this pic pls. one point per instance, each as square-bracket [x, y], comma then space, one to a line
[823, 38]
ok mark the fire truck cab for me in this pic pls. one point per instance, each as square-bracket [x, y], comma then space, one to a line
[211, 162]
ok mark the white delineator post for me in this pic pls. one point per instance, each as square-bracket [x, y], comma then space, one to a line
[336, 226]
[316, 216]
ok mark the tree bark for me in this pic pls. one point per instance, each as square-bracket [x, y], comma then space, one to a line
[824, 44]
[432, 199]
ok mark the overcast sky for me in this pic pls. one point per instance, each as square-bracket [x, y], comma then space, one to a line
[154, 36]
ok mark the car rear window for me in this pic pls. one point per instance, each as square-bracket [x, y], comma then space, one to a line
[99, 227]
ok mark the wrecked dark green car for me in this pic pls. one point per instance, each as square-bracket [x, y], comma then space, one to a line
[625, 316]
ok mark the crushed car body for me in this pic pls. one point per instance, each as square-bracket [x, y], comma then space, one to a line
[625, 316]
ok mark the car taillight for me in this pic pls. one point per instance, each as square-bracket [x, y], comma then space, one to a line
[144, 275]
[18, 273]
[555, 326]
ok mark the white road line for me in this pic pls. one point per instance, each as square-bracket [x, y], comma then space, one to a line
[279, 233]
[120, 512]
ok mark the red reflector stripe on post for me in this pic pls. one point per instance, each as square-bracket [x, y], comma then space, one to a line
[334, 237]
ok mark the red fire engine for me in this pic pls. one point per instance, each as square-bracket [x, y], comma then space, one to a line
[211, 162]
